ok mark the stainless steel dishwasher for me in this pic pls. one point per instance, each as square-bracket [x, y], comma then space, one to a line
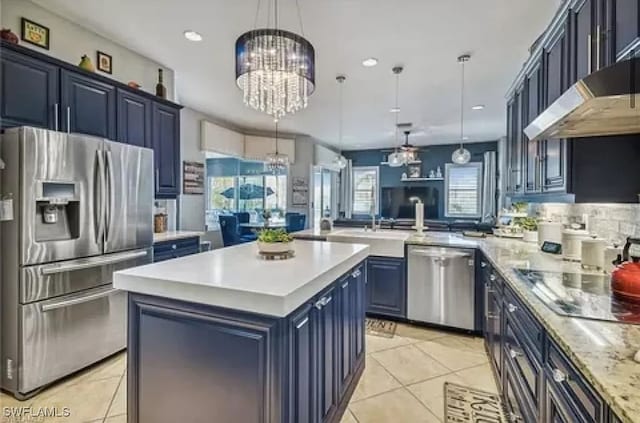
[441, 286]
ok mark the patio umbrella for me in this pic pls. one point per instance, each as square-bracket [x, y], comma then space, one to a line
[247, 192]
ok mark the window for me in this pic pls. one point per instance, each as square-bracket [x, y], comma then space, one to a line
[366, 184]
[463, 190]
[324, 185]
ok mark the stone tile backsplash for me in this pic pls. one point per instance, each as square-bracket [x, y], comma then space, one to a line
[614, 222]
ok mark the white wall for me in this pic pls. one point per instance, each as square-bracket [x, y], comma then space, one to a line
[305, 154]
[69, 41]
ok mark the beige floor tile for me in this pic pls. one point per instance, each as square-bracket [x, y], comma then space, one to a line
[409, 365]
[122, 418]
[419, 332]
[395, 406]
[87, 400]
[378, 343]
[7, 400]
[480, 377]
[375, 380]
[348, 417]
[119, 404]
[454, 352]
[431, 392]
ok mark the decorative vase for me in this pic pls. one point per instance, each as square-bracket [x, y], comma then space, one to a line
[86, 64]
[8, 35]
[275, 247]
[530, 236]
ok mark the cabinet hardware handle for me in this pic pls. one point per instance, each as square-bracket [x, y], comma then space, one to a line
[355, 274]
[301, 324]
[513, 353]
[326, 300]
[598, 36]
[56, 107]
[346, 284]
[174, 246]
[493, 316]
[318, 304]
[559, 376]
[492, 277]
[483, 264]
[514, 417]
[589, 48]
[68, 119]
[512, 308]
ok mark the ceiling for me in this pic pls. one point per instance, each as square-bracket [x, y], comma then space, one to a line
[426, 36]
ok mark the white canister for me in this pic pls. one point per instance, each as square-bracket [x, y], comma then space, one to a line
[593, 253]
[549, 231]
[572, 243]
[530, 236]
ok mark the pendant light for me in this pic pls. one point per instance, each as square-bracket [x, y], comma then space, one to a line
[397, 158]
[277, 163]
[340, 161]
[462, 155]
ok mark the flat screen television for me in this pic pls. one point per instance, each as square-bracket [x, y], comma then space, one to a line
[395, 203]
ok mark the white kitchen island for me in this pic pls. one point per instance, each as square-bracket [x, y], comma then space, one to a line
[227, 334]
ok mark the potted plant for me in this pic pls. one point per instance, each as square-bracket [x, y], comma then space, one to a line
[530, 228]
[275, 241]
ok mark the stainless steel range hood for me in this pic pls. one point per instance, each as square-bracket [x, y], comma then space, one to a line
[607, 102]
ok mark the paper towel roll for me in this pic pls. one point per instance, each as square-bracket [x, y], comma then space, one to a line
[419, 214]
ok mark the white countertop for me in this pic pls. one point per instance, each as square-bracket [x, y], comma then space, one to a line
[173, 235]
[236, 278]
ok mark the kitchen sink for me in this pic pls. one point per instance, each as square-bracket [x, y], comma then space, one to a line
[385, 243]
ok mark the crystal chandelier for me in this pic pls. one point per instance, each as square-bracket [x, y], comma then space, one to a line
[275, 69]
[397, 158]
[462, 155]
[340, 161]
[277, 163]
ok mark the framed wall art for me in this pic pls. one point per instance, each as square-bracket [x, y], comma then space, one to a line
[34, 33]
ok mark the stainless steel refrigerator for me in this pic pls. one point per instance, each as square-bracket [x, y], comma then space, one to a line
[82, 210]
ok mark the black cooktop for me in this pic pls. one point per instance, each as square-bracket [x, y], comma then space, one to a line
[579, 295]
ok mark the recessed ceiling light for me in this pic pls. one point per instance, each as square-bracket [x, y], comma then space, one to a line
[192, 36]
[369, 62]
[478, 107]
[395, 110]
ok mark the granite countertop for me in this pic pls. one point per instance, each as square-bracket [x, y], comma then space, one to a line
[173, 235]
[603, 351]
[236, 278]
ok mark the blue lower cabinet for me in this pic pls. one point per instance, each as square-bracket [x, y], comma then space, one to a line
[302, 375]
[387, 287]
[555, 409]
[241, 367]
[167, 250]
[327, 352]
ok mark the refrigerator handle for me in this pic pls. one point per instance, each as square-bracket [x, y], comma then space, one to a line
[110, 196]
[68, 119]
[55, 115]
[99, 209]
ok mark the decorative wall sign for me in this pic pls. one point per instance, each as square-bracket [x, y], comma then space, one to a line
[34, 33]
[300, 191]
[105, 62]
[192, 178]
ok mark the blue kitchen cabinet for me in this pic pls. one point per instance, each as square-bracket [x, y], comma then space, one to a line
[167, 250]
[387, 287]
[165, 134]
[88, 106]
[327, 352]
[29, 92]
[302, 377]
[622, 23]
[134, 119]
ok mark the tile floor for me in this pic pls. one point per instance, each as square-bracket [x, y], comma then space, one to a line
[403, 381]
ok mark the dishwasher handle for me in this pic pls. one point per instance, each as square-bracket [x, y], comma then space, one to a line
[438, 255]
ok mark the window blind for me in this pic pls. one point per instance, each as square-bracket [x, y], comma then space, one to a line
[463, 190]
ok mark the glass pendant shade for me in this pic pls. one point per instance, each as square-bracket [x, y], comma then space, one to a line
[395, 159]
[461, 156]
[340, 161]
[275, 70]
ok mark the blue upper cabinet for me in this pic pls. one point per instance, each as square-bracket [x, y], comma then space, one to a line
[88, 105]
[166, 147]
[387, 287]
[29, 91]
[134, 119]
[622, 28]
